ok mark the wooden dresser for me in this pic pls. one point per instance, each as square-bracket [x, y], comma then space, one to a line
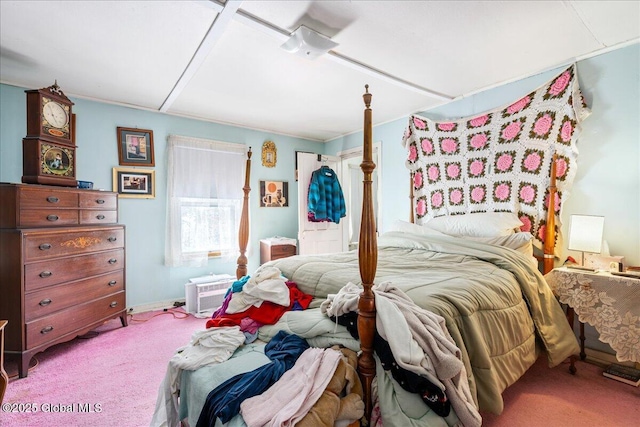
[62, 265]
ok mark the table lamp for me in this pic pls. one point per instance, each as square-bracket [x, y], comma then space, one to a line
[585, 234]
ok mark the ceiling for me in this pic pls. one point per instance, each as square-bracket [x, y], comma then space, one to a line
[222, 61]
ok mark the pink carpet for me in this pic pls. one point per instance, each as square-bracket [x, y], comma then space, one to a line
[117, 374]
[546, 397]
[120, 370]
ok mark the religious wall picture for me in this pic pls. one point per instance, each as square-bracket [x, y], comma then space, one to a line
[274, 194]
[135, 147]
[134, 183]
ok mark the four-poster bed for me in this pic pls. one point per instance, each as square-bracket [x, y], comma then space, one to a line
[496, 306]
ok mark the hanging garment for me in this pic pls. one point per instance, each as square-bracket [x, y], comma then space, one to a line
[325, 200]
[500, 161]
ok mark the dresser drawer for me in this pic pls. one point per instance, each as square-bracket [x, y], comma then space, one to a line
[55, 298]
[51, 272]
[56, 325]
[98, 200]
[48, 217]
[49, 244]
[282, 251]
[43, 197]
[98, 217]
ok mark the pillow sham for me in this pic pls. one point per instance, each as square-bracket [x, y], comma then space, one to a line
[484, 224]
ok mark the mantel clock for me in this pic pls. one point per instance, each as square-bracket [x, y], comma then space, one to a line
[49, 114]
[48, 149]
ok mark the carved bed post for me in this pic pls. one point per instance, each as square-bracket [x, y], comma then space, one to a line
[243, 233]
[550, 231]
[368, 260]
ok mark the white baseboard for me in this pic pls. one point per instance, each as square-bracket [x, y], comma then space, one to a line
[603, 359]
[153, 306]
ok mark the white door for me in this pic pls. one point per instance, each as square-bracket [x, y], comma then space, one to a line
[352, 177]
[316, 237]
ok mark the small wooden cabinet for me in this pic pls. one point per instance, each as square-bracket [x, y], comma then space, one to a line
[62, 266]
[270, 250]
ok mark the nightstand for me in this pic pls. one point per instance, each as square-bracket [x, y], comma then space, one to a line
[609, 303]
[276, 248]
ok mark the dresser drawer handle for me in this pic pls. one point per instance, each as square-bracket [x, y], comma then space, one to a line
[45, 302]
[46, 274]
[52, 199]
[52, 217]
[112, 239]
[113, 304]
[112, 283]
[44, 246]
[113, 261]
[100, 217]
[100, 201]
[46, 330]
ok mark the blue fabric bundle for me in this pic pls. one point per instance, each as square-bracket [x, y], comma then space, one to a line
[224, 401]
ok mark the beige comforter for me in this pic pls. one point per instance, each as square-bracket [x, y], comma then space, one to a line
[495, 304]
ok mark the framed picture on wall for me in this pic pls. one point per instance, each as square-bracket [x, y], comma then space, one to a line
[274, 194]
[135, 147]
[134, 183]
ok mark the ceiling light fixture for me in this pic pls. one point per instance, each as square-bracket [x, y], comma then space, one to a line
[308, 43]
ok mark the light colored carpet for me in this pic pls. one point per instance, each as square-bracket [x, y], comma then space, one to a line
[117, 372]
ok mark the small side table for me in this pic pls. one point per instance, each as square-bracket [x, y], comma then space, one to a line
[276, 248]
[609, 303]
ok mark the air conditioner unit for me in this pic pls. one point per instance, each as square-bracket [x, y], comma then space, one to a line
[206, 293]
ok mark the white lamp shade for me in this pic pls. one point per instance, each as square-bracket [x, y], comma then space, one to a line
[585, 233]
[308, 43]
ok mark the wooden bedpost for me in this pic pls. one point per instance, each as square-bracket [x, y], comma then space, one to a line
[368, 261]
[550, 231]
[549, 247]
[243, 233]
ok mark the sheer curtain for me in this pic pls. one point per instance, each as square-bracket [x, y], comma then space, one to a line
[204, 200]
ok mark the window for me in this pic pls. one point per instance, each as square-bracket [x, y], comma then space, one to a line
[204, 200]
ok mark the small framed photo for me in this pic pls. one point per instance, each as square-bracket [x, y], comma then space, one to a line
[134, 183]
[135, 147]
[274, 194]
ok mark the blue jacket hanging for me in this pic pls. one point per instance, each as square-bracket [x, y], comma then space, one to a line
[325, 201]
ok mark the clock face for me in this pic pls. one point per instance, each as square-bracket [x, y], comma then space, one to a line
[55, 114]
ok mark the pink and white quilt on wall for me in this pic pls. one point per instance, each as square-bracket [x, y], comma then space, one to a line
[499, 161]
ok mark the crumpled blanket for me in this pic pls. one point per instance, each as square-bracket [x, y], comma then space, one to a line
[288, 400]
[224, 401]
[266, 285]
[420, 342]
[206, 347]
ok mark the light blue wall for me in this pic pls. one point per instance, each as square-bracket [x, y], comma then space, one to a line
[608, 180]
[148, 280]
[608, 177]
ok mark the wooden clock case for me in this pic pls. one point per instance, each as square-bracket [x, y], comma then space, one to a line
[48, 153]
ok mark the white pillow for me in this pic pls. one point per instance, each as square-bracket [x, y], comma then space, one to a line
[489, 224]
[414, 229]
